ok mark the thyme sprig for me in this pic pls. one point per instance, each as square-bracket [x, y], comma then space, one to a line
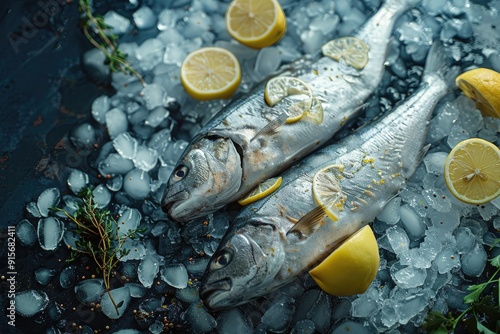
[480, 308]
[101, 36]
[99, 237]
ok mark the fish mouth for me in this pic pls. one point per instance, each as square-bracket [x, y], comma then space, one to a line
[210, 293]
[171, 201]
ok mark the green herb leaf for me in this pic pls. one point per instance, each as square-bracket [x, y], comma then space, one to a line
[495, 262]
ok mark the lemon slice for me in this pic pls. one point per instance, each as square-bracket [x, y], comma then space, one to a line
[353, 50]
[210, 73]
[472, 171]
[327, 191]
[281, 87]
[352, 267]
[315, 113]
[255, 23]
[262, 190]
[483, 86]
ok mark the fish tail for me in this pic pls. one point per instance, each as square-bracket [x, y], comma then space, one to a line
[399, 6]
[437, 67]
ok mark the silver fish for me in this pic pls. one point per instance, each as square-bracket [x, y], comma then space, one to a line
[287, 233]
[248, 142]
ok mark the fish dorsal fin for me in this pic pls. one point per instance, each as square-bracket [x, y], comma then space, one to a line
[272, 127]
[306, 225]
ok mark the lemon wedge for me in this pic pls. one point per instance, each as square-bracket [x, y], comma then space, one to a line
[327, 191]
[315, 113]
[472, 171]
[256, 23]
[262, 190]
[483, 86]
[352, 267]
[210, 73]
[353, 50]
[280, 87]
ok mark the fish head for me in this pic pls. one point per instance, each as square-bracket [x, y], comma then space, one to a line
[205, 178]
[243, 267]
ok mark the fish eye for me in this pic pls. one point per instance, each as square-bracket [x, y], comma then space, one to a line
[222, 260]
[180, 173]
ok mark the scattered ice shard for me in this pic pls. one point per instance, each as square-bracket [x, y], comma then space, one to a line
[115, 164]
[234, 321]
[101, 195]
[156, 116]
[77, 180]
[445, 222]
[278, 317]
[137, 250]
[190, 294]
[390, 213]
[366, 304]
[146, 158]
[30, 302]
[99, 108]
[144, 18]
[90, 290]
[137, 184]
[465, 239]
[129, 220]
[121, 298]
[43, 275]
[398, 239]
[67, 277]
[50, 232]
[32, 209]
[148, 269]
[125, 145]
[48, 198]
[25, 233]
[473, 262]
[175, 275]
[409, 277]
[304, 327]
[199, 319]
[116, 122]
[119, 24]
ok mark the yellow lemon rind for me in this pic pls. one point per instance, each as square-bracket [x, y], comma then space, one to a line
[250, 198]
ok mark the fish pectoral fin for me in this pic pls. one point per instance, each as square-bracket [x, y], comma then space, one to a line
[272, 127]
[311, 220]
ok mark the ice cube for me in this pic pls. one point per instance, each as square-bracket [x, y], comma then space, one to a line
[146, 158]
[144, 18]
[167, 19]
[50, 232]
[199, 319]
[47, 199]
[190, 294]
[398, 239]
[366, 304]
[90, 290]
[25, 233]
[438, 200]
[324, 22]
[487, 211]
[116, 122]
[118, 24]
[94, 64]
[303, 327]
[390, 213]
[349, 327]
[43, 275]
[171, 153]
[101, 195]
[115, 164]
[409, 304]
[100, 107]
[137, 250]
[234, 321]
[278, 317]
[32, 209]
[465, 239]
[84, 136]
[115, 183]
[149, 55]
[175, 275]
[442, 123]
[408, 277]
[320, 313]
[137, 184]
[77, 180]
[445, 222]
[474, 261]
[456, 135]
[197, 266]
[412, 223]
[129, 221]
[268, 60]
[447, 259]
[434, 162]
[148, 269]
[136, 290]
[121, 299]
[156, 116]
[30, 302]
[153, 95]
[156, 327]
[195, 24]
[125, 145]
[67, 277]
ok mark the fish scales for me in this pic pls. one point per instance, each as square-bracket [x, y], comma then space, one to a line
[375, 164]
[190, 194]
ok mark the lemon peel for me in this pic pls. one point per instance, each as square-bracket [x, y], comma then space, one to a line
[264, 189]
